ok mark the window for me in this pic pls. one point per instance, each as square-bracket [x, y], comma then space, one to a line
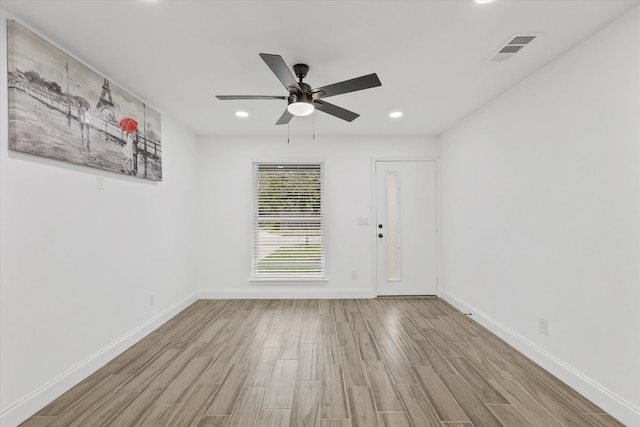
[288, 225]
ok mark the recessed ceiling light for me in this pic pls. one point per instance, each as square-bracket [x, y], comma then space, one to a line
[484, 1]
[242, 114]
[395, 114]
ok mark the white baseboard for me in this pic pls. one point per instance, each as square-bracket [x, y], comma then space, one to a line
[38, 399]
[619, 408]
[290, 293]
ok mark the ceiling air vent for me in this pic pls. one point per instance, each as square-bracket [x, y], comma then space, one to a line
[514, 45]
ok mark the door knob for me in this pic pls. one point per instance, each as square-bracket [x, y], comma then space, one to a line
[380, 235]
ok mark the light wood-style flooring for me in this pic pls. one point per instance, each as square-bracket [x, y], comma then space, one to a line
[393, 362]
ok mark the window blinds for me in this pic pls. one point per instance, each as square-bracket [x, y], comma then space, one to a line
[288, 224]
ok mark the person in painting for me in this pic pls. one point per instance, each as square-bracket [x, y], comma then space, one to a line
[127, 150]
[135, 153]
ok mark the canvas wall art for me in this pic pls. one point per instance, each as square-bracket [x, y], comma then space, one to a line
[61, 109]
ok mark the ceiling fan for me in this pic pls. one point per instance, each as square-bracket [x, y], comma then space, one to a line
[302, 99]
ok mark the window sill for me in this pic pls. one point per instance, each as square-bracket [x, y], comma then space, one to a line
[288, 281]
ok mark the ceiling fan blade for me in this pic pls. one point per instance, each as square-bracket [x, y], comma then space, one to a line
[336, 111]
[284, 118]
[281, 70]
[229, 97]
[359, 83]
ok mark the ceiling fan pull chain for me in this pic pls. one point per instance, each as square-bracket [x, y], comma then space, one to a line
[288, 133]
[314, 127]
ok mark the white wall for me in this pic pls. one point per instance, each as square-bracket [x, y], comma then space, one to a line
[226, 198]
[540, 213]
[78, 264]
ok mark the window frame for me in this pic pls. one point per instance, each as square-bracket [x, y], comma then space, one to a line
[319, 278]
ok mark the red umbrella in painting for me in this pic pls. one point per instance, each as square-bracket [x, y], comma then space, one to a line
[128, 125]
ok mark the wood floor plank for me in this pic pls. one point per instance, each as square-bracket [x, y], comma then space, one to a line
[328, 349]
[352, 368]
[509, 415]
[420, 321]
[367, 347]
[249, 408]
[475, 409]
[218, 369]
[478, 360]
[434, 358]
[382, 388]
[280, 391]
[462, 328]
[445, 405]
[214, 421]
[310, 329]
[91, 399]
[157, 416]
[572, 397]
[419, 409]
[144, 377]
[260, 374]
[409, 327]
[358, 323]
[306, 401]
[480, 386]
[340, 314]
[398, 365]
[363, 411]
[443, 345]
[380, 332]
[104, 411]
[394, 419]
[502, 359]
[413, 352]
[445, 329]
[549, 399]
[140, 404]
[173, 369]
[275, 418]
[345, 334]
[180, 386]
[289, 345]
[602, 420]
[333, 402]
[225, 398]
[307, 362]
[526, 404]
[38, 421]
[70, 397]
[335, 423]
[194, 405]
[328, 323]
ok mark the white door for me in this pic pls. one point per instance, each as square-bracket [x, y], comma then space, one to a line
[406, 248]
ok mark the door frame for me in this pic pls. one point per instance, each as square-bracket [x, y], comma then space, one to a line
[374, 213]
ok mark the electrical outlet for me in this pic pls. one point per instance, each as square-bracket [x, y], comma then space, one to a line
[542, 326]
[152, 299]
[354, 275]
[363, 221]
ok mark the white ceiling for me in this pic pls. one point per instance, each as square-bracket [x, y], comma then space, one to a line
[430, 55]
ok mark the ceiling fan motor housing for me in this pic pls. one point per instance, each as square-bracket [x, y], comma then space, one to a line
[304, 96]
[301, 71]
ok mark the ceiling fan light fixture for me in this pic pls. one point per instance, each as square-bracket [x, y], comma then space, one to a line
[300, 108]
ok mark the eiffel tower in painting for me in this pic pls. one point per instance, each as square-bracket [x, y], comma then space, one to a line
[105, 104]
